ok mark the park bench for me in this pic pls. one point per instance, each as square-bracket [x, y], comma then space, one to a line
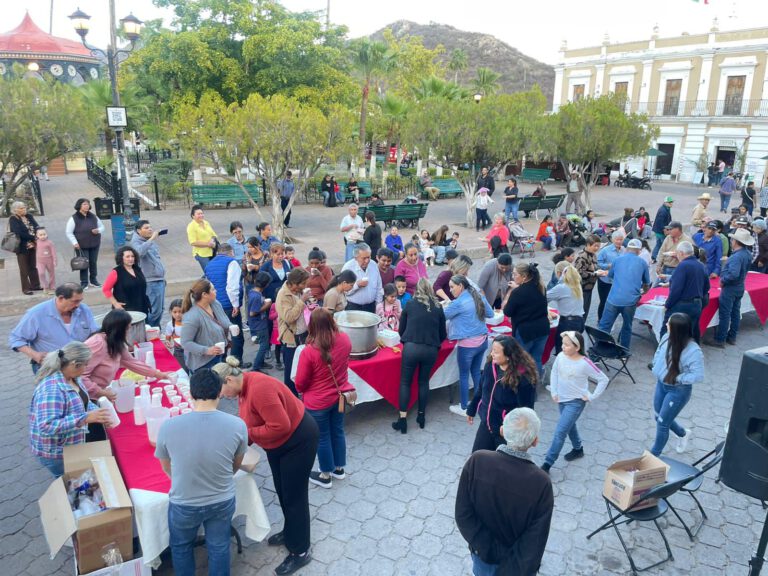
[550, 204]
[223, 194]
[364, 194]
[529, 204]
[449, 188]
[535, 174]
[401, 215]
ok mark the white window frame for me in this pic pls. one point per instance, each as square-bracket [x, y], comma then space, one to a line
[742, 66]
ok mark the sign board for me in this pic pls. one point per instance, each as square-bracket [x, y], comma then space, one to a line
[116, 117]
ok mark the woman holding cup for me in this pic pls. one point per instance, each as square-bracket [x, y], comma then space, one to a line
[206, 327]
[291, 327]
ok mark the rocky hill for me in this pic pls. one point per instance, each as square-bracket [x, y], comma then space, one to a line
[518, 71]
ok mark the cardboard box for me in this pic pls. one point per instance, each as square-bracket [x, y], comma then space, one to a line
[627, 480]
[135, 567]
[90, 533]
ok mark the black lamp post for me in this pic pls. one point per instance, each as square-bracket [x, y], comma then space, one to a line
[131, 27]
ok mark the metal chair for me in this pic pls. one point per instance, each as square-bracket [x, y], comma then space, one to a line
[603, 346]
[651, 514]
[679, 470]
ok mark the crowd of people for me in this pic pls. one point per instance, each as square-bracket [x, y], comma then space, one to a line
[257, 285]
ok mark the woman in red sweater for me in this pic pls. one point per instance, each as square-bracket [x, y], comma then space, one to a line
[320, 377]
[277, 422]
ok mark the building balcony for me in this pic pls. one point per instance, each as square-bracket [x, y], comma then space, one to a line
[729, 108]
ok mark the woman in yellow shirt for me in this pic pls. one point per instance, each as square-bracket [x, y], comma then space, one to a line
[201, 237]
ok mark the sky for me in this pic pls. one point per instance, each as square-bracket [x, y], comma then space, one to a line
[538, 34]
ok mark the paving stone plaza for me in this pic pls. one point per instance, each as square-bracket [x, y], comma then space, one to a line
[394, 513]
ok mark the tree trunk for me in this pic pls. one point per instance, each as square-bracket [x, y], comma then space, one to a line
[467, 184]
[108, 135]
[363, 117]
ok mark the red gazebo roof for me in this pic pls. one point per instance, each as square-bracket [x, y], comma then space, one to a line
[27, 37]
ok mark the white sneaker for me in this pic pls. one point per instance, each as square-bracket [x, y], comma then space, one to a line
[457, 409]
[682, 443]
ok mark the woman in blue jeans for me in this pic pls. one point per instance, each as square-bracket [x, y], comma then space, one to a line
[527, 310]
[466, 315]
[569, 386]
[678, 364]
[321, 377]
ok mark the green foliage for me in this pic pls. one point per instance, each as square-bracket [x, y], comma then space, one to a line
[171, 177]
[434, 87]
[40, 121]
[596, 130]
[458, 63]
[486, 82]
[411, 62]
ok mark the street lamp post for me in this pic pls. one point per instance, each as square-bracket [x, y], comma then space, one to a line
[131, 27]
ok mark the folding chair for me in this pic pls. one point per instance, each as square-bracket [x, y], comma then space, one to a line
[651, 514]
[679, 470]
[602, 346]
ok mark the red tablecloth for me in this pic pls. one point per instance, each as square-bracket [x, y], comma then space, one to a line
[755, 284]
[130, 444]
[382, 372]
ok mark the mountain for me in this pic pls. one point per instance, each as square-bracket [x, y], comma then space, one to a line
[518, 71]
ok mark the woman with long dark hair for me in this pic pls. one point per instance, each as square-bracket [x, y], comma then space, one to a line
[372, 233]
[321, 377]
[422, 331]
[508, 382]
[526, 308]
[125, 286]
[336, 295]
[467, 314]
[678, 364]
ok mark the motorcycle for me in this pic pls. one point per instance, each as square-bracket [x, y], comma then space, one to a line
[631, 181]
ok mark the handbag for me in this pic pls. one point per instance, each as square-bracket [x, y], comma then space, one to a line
[79, 262]
[346, 399]
[11, 240]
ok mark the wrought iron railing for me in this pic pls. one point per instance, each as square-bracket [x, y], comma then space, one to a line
[107, 182]
[693, 108]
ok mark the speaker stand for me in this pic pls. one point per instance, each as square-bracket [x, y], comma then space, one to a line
[756, 564]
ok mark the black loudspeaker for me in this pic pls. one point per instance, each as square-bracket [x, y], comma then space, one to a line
[745, 459]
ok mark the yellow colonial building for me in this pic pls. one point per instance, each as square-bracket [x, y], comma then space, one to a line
[708, 93]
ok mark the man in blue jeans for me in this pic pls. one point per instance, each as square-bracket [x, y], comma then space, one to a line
[504, 502]
[732, 278]
[200, 452]
[630, 279]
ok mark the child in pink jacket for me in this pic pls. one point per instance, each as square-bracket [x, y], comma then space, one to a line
[46, 261]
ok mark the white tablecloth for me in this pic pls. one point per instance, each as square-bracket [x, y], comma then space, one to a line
[654, 314]
[151, 513]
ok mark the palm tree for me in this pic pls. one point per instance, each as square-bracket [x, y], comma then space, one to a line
[458, 63]
[434, 87]
[394, 112]
[370, 59]
[98, 95]
[486, 82]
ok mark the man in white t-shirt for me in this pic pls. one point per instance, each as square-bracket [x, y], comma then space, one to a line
[352, 227]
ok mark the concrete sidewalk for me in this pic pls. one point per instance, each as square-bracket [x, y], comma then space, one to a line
[312, 225]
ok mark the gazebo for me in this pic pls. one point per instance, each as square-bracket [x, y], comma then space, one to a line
[42, 54]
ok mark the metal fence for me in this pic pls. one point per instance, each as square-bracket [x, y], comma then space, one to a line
[140, 160]
[694, 108]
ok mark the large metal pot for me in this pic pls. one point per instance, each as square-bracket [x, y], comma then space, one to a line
[361, 328]
[138, 332]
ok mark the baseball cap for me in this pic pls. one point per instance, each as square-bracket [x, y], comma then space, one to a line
[760, 224]
[742, 220]
[712, 224]
[673, 224]
[669, 199]
[635, 243]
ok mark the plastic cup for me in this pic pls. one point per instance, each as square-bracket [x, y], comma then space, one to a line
[157, 390]
[186, 410]
[183, 405]
[176, 401]
[157, 400]
[221, 346]
[175, 411]
[169, 388]
[173, 378]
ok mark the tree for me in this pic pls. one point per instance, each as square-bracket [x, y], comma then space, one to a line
[266, 137]
[370, 59]
[434, 87]
[458, 63]
[486, 82]
[412, 62]
[40, 121]
[593, 131]
[498, 130]
[393, 112]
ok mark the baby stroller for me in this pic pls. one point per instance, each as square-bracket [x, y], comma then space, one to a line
[578, 231]
[521, 238]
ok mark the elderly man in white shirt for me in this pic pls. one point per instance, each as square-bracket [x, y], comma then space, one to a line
[352, 226]
[367, 291]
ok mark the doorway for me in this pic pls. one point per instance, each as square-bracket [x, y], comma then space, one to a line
[664, 163]
[727, 154]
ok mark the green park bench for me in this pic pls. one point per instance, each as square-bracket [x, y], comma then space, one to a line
[401, 215]
[449, 188]
[366, 190]
[223, 194]
[535, 174]
[550, 204]
[529, 204]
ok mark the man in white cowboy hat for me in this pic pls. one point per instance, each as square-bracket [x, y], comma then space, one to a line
[699, 216]
[575, 188]
[732, 288]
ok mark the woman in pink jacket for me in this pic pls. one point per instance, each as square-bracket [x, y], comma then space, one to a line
[109, 352]
[411, 268]
[321, 377]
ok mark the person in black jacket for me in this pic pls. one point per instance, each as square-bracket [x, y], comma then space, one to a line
[663, 217]
[504, 502]
[527, 309]
[422, 331]
[24, 226]
[508, 382]
[485, 180]
[372, 233]
[125, 286]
